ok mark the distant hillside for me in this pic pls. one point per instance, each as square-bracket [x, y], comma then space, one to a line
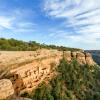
[95, 55]
[19, 45]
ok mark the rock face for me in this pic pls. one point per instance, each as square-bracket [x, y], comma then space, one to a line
[6, 88]
[28, 76]
[89, 59]
[67, 56]
[81, 57]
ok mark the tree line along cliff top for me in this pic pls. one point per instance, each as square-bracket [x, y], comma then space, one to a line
[19, 45]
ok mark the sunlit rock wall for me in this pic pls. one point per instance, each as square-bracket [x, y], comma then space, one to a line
[29, 76]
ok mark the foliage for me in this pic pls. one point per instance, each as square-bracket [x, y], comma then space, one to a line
[74, 82]
[17, 45]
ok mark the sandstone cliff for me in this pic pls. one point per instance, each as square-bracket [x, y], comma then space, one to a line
[29, 76]
[81, 57]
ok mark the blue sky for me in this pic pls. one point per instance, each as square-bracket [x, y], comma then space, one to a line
[71, 23]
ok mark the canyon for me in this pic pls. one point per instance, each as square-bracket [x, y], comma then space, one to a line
[28, 69]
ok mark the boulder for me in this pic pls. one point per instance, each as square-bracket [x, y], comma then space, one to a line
[6, 88]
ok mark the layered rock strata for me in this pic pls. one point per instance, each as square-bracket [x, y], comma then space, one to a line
[81, 57]
[27, 77]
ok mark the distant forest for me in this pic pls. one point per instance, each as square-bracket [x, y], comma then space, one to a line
[19, 45]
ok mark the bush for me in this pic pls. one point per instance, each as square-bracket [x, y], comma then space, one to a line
[18, 45]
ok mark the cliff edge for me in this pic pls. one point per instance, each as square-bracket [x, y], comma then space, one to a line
[28, 76]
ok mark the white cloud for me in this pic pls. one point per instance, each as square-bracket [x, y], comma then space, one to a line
[5, 22]
[16, 22]
[82, 15]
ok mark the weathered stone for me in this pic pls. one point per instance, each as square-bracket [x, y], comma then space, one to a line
[81, 58]
[89, 59]
[30, 75]
[67, 56]
[6, 89]
[18, 85]
[74, 54]
[88, 55]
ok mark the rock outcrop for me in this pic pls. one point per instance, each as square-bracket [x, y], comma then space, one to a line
[81, 57]
[6, 89]
[67, 55]
[27, 77]
[89, 59]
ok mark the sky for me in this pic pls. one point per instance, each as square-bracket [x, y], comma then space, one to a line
[71, 23]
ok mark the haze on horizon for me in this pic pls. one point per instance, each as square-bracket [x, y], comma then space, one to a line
[71, 23]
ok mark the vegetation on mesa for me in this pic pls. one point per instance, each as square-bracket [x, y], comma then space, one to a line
[74, 82]
[17, 45]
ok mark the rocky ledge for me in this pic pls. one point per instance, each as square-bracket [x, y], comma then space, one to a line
[28, 77]
[81, 57]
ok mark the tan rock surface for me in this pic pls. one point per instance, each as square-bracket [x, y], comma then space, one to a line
[67, 56]
[74, 54]
[6, 89]
[89, 59]
[81, 58]
[31, 75]
[27, 76]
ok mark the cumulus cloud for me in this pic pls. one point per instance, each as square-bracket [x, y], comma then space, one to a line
[82, 15]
